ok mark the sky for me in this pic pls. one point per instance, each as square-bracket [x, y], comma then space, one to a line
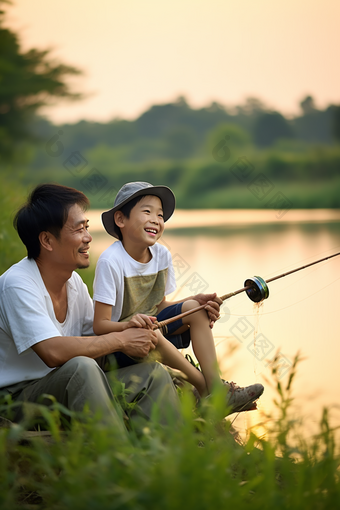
[136, 53]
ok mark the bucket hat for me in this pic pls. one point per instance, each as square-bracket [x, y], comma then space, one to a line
[136, 189]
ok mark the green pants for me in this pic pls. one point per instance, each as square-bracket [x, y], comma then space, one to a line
[81, 381]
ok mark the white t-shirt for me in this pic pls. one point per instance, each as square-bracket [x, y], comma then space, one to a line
[27, 317]
[133, 287]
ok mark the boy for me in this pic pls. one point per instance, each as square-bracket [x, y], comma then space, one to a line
[134, 275]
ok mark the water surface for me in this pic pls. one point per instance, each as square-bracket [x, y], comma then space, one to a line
[301, 313]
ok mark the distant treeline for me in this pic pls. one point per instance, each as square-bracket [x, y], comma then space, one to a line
[177, 131]
[211, 157]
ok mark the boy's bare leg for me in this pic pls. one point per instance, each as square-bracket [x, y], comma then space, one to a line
[202, 343]
[174, 359]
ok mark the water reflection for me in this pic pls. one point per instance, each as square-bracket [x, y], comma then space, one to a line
[300, 314]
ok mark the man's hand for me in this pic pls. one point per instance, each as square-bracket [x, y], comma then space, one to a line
[212, 307]
[140, 320]
[138, 342]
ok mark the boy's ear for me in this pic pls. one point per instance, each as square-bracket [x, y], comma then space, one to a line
[119, 219]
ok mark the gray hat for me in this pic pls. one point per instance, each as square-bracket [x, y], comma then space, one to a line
[136, 189]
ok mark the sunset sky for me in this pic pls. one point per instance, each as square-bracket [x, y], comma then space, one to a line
[136, 53]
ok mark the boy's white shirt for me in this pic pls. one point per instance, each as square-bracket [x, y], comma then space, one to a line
[115, 264]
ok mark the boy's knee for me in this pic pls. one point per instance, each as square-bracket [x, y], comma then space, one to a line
[191, 304]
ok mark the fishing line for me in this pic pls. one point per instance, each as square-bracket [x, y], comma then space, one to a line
[285, 307]
[272, 278]
[301, 261]
[303, 299]
[311, 270]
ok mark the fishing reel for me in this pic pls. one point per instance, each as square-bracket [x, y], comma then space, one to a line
[258, 289]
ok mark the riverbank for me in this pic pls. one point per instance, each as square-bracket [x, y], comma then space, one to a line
[199, 218]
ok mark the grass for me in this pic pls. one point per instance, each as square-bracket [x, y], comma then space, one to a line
[195, 464]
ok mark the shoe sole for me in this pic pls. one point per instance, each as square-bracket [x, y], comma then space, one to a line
[248, 406]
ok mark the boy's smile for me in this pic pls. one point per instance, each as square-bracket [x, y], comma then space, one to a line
[151, 231]
[145, 224]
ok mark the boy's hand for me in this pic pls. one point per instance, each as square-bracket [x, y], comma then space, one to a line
[141, 321]
[138, 342]
[212, 307]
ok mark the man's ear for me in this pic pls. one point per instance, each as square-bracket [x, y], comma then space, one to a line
[119, 219]
[46, 240]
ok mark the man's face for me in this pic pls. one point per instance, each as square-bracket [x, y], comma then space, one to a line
[145, 224]
[71, 249]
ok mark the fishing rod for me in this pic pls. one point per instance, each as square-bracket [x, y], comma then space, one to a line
[256, 288]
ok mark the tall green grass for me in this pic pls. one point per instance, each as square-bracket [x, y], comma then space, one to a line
[194, 464]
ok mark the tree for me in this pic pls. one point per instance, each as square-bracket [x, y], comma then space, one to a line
[336, 122]
[307, 105]
[180, 142]
[28, 81]
[269, 127]
[237, 136]
[252, 106]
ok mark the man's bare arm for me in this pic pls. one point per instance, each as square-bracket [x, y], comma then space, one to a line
[57, 350]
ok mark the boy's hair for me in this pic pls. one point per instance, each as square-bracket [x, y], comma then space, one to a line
[126, 209]
[46, 209]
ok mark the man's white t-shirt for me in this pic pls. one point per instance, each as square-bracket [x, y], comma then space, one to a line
[133, 287]
[27, 317]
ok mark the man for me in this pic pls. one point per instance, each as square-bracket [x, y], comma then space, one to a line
[47, 343]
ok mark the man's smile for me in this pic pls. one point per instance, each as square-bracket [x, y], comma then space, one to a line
[84, 251]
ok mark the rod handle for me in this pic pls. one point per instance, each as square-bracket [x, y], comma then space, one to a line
[159, 325]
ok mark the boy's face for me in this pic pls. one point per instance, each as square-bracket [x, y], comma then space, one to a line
[145, 224]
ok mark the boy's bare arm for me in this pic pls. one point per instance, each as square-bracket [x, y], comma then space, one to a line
[102, 323]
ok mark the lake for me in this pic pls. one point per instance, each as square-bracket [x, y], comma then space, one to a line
[216, 251]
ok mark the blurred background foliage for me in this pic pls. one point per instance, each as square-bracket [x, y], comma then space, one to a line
[12, 197]
[171, 144]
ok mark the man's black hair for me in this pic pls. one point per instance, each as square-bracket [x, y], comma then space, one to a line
[46, 211]
[126, 209]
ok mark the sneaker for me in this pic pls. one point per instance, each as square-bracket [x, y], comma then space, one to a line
[242, 399]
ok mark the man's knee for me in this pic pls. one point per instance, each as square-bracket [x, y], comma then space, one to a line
[82, 362]
[82, 366]
[85, 379]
